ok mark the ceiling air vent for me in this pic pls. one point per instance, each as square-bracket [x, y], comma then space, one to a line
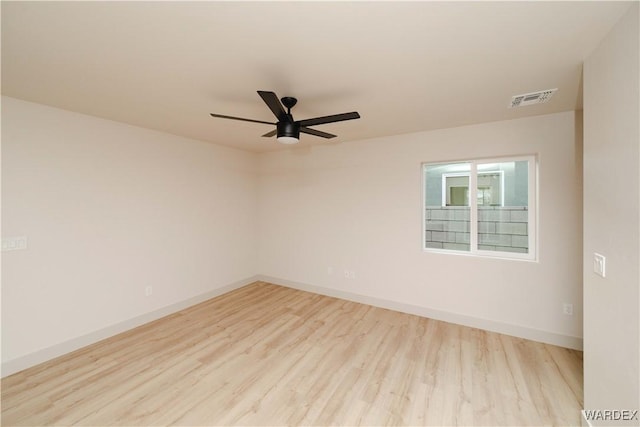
[532, 98]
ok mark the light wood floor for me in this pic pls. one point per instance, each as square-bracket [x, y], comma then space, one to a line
[269, 355]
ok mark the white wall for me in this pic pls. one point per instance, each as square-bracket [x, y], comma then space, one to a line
[109, 209]
[612, 219]
[358, 206]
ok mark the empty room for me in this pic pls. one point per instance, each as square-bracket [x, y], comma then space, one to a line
[320, 213]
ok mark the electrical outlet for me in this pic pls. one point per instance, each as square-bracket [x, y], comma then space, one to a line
[567, 309]
[329, 271]
[14, 243]
[148, 291]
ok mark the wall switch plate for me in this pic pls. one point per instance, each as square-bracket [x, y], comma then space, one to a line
[599, 264]
[14, 243]
[148, 291]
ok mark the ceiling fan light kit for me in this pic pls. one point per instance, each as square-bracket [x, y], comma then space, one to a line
[288, 130]
[288, 140]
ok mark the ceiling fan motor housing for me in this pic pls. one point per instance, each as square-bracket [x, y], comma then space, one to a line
[290, 129]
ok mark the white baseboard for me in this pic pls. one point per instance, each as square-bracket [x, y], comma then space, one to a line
[32, 359]
[460, 319]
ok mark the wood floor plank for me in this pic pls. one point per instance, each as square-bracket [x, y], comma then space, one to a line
[270, 355]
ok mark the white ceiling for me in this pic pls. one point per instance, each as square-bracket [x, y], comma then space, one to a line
[404, 66]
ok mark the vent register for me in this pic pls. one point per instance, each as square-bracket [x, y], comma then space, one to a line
[539, 97]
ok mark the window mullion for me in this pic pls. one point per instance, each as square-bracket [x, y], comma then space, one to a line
[473, 208]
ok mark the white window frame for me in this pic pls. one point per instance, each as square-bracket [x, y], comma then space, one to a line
[532, 208]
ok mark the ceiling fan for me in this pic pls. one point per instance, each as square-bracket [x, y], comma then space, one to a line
[287, 129]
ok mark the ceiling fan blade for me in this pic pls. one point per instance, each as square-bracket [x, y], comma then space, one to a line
[316, 132]
[329, 119]
[240, 118]
[272, 101]
[270, 134]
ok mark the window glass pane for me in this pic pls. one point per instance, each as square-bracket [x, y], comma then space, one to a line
[503, 214]
[447, 206]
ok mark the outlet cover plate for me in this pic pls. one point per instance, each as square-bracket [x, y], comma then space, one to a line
[14, 243]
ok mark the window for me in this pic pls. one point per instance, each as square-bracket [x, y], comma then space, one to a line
[482, 207]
